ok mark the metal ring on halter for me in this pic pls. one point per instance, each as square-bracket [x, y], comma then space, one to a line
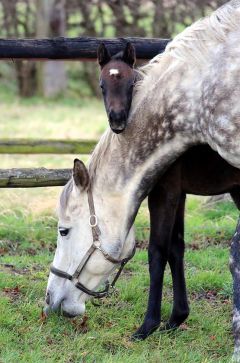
[95, 220]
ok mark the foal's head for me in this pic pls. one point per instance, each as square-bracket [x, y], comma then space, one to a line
[116, 81]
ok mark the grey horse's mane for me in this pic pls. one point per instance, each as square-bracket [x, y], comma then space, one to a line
[101, 149]
[96, 158]
[63, 201]
[194, 42]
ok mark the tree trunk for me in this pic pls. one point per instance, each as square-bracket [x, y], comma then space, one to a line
[26, 77]
[52, 79]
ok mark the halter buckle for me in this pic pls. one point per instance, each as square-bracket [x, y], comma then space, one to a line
[93, 223]
[97, 244]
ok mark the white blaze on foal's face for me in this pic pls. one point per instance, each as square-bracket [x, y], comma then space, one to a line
[113, 72]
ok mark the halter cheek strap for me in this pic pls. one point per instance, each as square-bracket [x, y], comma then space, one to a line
[93, 221]
[96, 245]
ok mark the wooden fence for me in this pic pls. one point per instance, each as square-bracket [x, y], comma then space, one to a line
[40, 177]
[76, 48]
[54, 49]
[28, 146]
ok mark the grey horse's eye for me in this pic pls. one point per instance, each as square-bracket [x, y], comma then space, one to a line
[63, 231]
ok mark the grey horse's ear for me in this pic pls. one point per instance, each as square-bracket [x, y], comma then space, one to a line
[129, 54]
[103, 55]
[80, 174]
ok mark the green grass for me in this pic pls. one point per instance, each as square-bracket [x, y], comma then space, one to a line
[27, 243]
[26, 255]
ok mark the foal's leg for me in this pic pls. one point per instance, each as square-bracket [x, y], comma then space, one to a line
[180, 310]
[235, 270]
[162, 206]
[235, 194]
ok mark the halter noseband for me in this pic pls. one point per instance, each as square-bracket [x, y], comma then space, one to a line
[96, 245]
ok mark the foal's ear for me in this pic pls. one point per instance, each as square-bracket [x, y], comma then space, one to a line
[103, 55]
[80, 174]
[129, 54]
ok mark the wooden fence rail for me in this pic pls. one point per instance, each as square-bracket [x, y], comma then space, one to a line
[84, 48]
[29, 178]
[28, 146]
[69, 49]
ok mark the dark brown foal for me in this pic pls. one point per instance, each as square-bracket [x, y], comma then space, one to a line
[199, 171]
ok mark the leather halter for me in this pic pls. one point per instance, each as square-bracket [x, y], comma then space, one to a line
[96, 245]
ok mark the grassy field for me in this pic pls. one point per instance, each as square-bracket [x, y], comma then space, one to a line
[27, 243]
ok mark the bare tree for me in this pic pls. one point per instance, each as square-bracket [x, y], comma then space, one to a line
[17, 20]
[51, 23]
[97, 18]
[156, 18]
[28, 19]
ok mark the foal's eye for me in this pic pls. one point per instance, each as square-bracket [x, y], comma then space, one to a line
[101, 85]
[63, 231]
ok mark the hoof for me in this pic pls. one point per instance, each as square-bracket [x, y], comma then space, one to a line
[144, 331]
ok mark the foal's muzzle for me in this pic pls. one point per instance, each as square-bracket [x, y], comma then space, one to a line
[117, 121]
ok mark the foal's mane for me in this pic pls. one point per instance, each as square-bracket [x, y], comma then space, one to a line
[118, 56]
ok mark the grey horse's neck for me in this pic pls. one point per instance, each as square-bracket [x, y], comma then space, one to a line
[127, 170]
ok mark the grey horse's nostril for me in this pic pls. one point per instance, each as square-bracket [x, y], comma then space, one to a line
[68, 315]
[47, 299]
